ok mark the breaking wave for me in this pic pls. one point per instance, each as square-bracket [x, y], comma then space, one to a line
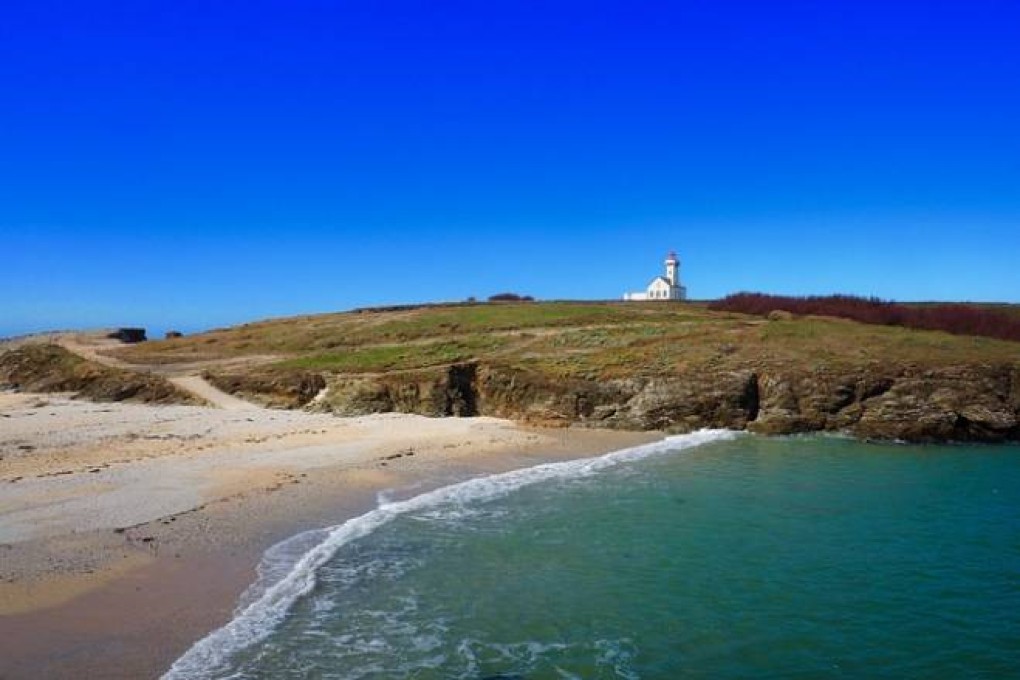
[288, 570]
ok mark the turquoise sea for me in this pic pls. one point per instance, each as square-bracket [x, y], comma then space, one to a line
[712, 555]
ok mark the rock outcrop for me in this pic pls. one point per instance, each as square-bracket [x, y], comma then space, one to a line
[446, 391]
[969, 403]
[674, 403]
[961, 403]
[822, 399]
[276, 389]
[954, 404]
[51, 368]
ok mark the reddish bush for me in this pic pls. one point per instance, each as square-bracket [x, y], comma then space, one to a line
[957, 318]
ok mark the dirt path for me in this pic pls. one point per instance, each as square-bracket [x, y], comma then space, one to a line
[90, 347]
[197, 385]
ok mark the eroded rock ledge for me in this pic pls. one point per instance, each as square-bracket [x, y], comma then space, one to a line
[978, 403]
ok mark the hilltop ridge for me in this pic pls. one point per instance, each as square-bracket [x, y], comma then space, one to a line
[666, 366]
[638, 366]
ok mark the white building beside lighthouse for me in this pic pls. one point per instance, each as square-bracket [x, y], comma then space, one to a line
[663, 287]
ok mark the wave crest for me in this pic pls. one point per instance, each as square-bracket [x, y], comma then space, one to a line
[263, 608]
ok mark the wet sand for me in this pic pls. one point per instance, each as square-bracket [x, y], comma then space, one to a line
[128, 532]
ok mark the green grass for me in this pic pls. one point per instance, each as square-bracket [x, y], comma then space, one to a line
[492, 318]
[373, 359]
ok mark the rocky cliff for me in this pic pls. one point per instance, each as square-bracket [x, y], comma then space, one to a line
[275, 389]
[978, 403]
[956, 403]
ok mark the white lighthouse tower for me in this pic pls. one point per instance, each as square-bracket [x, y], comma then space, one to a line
[673, 269]
[666, 287]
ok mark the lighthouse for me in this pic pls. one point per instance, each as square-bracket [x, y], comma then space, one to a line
[673, 269]
[666, 287]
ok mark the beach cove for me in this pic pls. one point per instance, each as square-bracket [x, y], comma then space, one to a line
[129, 531]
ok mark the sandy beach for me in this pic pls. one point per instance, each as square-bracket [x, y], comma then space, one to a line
[128, 531]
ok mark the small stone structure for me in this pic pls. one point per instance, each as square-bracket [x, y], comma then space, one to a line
[129, 335]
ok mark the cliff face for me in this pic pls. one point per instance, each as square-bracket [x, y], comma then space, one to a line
[969, 403]
[962, 403]
[674, 403]
[275, 390]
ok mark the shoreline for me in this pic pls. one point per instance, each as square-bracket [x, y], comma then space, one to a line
[86, 592]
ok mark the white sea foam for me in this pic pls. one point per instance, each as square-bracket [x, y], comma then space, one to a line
[267, 605]
[277, 562]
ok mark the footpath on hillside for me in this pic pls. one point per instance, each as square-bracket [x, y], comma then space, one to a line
[90, 347]
[200, 387]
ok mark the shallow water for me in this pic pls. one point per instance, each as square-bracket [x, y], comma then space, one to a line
[712, 557]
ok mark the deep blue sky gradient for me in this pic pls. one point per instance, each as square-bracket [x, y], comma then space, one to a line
[189, 164]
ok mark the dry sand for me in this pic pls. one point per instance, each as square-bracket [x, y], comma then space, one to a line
[127, 531]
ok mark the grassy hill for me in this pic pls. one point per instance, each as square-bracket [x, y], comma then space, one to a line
[670, 366]
[42, 367]
[594, 340]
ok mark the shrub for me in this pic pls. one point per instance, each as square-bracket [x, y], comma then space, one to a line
[510, 297]
[956, 318]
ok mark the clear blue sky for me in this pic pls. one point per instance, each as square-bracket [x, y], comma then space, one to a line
[188, 164]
